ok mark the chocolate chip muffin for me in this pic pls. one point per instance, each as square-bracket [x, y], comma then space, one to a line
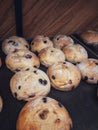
[64, 76]
[44, 114]
[40, 42]
[30, 84]
[49, 56]
[1, 103]
[60, 41]
[91, 38]
[75, 53]
[21, 60]
[14, 43]
[89, 70]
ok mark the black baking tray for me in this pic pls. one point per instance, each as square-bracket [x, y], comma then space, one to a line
[81, 102]
[93, 50]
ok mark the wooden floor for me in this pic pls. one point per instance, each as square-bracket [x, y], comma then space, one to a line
[49, 17]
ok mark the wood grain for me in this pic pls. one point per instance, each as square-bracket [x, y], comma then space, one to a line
[55, 17]
[49, 17]
[7, 18]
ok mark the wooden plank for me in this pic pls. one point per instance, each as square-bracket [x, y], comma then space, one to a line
[62, 16]
[49, 17]
[7, 21]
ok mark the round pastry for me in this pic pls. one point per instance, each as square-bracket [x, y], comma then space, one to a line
[14, 43]
[49, 56]
[44, 114]
[89, 70]
[1, 103]
[64, 76]
[40, 42]
[21, 60]
[75, 53]
[27, 85]
[90, 36]
[60, 41]
[0, 62]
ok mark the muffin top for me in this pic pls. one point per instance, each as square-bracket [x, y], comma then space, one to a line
[14, 43]
[49, 56]
[40, 42]
[60, 41]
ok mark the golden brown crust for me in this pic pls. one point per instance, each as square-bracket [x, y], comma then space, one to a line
[21, 60]
[14, 43]
[89, 70]
[49, 56]
[40, 42]
[90, 37]
[44, 114]
[64, 76]
[75, 53]
[62, 40]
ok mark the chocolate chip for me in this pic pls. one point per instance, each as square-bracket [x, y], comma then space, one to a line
[70, 81]
[40, 80]
[74, 63]
[15, 50]
[51, 51]
[15, 44]
[17, 70]
[36, 52]
[15, 94]
[64, 62]
[78, 63]
[28, 56]
[53, 77]
[44, 100]
[43, 114]
[10, 41]
[35, 66]
[19, 87]
[35, 71]
[32, 95]
[44, 82]
[57, 38]
[27, 69]
[26, 46]
[85, 78]
[45, 41]
[60, 105]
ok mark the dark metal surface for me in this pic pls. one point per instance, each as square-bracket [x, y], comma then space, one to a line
[18, 17]
[81, 102]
